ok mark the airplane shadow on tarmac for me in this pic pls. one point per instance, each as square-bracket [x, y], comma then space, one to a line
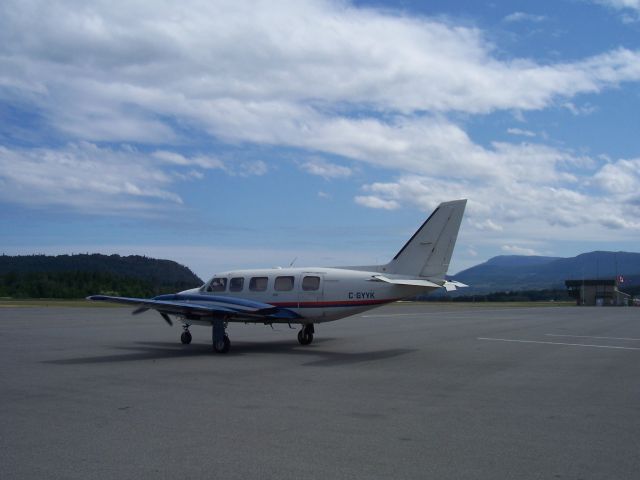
[168, 350]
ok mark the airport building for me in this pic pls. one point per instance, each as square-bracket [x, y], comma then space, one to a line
[597, 292]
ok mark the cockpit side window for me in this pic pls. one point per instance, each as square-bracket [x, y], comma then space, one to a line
[217, 285]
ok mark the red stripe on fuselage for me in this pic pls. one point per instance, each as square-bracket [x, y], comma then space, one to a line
[333, 304]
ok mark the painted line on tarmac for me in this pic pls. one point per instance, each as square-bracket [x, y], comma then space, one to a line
[557, 343]
[590, 336]
[440, 312]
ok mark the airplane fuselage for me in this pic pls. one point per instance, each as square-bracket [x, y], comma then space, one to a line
[316, 295]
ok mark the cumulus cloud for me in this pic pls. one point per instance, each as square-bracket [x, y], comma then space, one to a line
[88, 178]
[621, 178]
[524, 17]
[629, 9]
[326, 77]
[487, 224]
[621, 4]
[174, 158]
[521, 132]
[116, 72]
[535, 210]
[83, 176]
[516, 250]
[325, 169]
[372, 201]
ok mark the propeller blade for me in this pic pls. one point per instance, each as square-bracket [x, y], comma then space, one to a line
[139, 310]
[166, 318]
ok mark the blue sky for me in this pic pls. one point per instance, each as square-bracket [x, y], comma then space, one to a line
[231, 134]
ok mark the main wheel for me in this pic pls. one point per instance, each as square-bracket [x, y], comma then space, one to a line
[305, 337]
[185, 338]
[222, 346]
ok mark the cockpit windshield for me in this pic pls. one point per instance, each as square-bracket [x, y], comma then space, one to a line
[217, 284]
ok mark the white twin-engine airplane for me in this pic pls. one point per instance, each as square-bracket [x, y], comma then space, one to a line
[313, 295]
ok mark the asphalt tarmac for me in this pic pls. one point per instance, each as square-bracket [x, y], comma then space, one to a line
[405, 391]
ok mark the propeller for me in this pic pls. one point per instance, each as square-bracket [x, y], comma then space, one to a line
[166, 318]
[143, 309]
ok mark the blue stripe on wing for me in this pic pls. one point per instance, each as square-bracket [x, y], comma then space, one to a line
[204, 306]
[242, 302]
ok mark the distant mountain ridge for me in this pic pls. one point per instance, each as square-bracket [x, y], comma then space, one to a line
[520, 272]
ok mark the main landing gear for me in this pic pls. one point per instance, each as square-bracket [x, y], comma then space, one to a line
[305, 336]
[219, 337]
[185, 338]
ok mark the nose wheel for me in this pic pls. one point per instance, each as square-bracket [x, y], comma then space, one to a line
[185, 338]
[305, 335]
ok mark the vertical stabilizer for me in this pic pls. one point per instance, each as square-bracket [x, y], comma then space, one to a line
[428, 252]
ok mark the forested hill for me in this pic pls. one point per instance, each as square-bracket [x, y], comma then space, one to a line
[76, 276]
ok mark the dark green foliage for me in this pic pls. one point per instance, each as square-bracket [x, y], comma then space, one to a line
[556, 295]
[77, 276]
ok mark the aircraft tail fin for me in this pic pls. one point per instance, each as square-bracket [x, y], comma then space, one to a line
[428, 252]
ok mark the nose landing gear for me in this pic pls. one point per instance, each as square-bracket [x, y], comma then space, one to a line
[185, 338]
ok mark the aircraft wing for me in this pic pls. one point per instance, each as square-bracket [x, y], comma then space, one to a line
[203, 307]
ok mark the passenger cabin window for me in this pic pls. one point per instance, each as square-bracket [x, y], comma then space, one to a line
[258, 284]
[236, 284]
[283, 284]
[310, 283]
[217, 285]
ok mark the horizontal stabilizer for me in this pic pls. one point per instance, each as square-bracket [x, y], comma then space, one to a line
[407, 281]
[452, 285]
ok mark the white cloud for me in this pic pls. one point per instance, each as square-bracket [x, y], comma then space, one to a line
[88, 178]
[521, 132]
[201, 161]
[371, 201]
[542, 207]
[621, 178]
[621, 4]
[579, 110]
[629, 9]
[524, 17]
[257, 168]
[487, 224]
[293, 76]
[93, 179]
[118, 71]
[325, 169]
[516, 250]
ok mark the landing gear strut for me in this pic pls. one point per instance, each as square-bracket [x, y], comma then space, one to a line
[221, 342]
[185, 338]
[305, 335]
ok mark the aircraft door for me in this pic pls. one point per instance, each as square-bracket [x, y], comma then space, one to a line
[311, 290]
